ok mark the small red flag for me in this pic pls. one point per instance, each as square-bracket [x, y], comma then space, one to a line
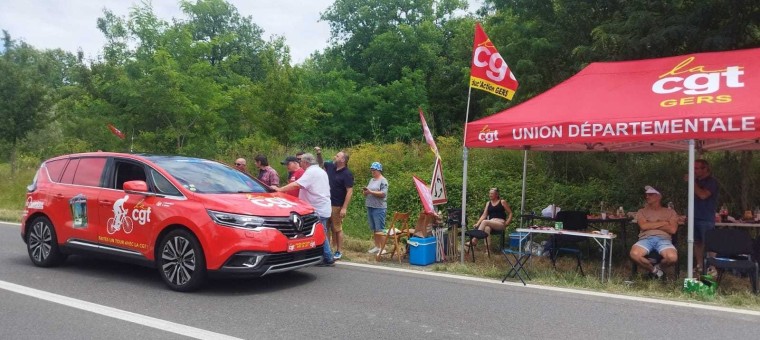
[116, 131]
[488, 70]
[428, 136]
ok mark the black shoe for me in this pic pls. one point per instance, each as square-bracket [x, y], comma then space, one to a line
[326, 264]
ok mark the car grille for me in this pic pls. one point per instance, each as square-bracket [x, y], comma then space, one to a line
[286, 227]
[278, 258]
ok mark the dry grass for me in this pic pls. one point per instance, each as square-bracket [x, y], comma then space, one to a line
[733, 291]
[10, 215]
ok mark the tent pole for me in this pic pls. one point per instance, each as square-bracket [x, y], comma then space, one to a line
[463, 222]
[525, 175]
[690, 214]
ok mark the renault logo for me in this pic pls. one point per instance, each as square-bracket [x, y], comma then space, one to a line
[297, 221]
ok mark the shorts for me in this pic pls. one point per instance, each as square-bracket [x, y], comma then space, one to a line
[655, 243]
[376, 217]
[701, 228]
[335, 222]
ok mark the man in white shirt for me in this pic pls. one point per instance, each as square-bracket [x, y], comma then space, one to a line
[315, 189]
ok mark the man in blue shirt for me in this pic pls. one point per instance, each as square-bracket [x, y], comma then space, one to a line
[705, 203]
[341, 190]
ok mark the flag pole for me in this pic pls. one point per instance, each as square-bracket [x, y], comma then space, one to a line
[463, 222]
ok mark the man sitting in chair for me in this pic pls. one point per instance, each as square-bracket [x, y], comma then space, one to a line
[657, 224]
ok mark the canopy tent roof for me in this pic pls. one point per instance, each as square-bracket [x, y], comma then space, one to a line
[638, 106]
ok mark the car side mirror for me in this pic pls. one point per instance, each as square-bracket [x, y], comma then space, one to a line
[136, 186]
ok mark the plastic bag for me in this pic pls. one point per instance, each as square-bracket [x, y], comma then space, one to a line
[549, 211]
[704, 287]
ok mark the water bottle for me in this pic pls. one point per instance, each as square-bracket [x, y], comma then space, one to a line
[621, 212]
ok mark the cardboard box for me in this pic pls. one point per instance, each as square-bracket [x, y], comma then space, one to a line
[421, 251]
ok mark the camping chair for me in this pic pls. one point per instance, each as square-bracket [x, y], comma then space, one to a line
[566, 244]
[733, 249]
[398, 230]
[655, 258]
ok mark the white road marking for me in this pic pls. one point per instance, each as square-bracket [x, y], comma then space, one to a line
[139, 319]
[558, 289]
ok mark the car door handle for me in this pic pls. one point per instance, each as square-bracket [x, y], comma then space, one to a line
[58, 196]
[105, 202]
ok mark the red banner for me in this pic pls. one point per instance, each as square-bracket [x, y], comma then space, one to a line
[428, 136]
[425, 197]
[116, 131]
[488, 70]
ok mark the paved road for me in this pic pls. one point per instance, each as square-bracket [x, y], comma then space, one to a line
[344, 302]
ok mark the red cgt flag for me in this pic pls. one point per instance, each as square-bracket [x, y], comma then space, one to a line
[116, 131]
[488, 70]
[428, 136]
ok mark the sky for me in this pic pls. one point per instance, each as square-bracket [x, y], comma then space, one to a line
[71, 24]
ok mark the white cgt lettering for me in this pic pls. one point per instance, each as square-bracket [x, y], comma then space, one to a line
[699, 83]
[497, 68]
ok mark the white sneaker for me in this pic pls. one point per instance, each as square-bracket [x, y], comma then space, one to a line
[374, 250]
[383, 252]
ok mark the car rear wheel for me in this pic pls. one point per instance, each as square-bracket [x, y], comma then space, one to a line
[42, 244]
[181, 261]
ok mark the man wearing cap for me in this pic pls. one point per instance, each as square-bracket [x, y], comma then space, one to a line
[314, 189]
[294, 172]
[376, 197]
[341, 190]
[657, 225]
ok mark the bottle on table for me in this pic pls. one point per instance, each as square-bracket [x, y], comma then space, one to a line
[724, 213]
[757, 213]
[671, 206]
[621, 212]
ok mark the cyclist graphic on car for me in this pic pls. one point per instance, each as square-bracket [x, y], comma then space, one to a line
[120, 218]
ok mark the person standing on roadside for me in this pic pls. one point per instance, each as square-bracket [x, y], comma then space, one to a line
[315, 189]
[267, 174]
[294, 172]
[341, 190]
[376, 201]
[241, 165]
[705, 204]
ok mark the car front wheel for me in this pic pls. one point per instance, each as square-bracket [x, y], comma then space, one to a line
[181, 261]
[42, 244]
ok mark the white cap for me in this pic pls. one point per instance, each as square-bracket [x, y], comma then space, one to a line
[649, 190]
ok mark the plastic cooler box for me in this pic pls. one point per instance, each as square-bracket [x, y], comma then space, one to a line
[421, 251]
[515, 238]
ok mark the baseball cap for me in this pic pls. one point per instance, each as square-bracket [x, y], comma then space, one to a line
[649, 190]
[376, 166]
[289, 159]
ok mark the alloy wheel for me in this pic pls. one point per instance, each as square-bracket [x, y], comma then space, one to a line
[179, 261]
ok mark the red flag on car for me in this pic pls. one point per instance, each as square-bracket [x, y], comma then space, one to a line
[488, 70]
[116, 131]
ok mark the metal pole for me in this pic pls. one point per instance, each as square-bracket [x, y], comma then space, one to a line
[464, 178]
[525, 175]
[690, 214]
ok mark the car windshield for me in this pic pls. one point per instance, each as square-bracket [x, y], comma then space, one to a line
[208, 177]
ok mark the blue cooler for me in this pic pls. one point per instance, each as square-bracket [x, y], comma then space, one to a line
[516, 238]
[421, 251]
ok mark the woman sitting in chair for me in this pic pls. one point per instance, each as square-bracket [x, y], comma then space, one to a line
[494, 216]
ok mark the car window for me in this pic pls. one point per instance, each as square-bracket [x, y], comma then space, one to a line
[55, 169]
[89, 171]
[128, 171]
[204, 176]
[71, 169]
[162, 185]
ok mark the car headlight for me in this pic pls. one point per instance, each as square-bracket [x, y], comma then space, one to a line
[235, 220]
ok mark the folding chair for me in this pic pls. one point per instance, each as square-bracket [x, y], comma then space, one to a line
[655, 258]
[565, 244]
[516, 264]
[733, 249]
[398, 230]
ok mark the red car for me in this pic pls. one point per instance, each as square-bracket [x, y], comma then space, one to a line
[187, 217]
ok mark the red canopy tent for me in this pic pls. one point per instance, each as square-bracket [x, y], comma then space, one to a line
[642, 105]
[708, 101]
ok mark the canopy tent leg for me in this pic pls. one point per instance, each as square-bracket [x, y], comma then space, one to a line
[524, 179]
[690, 215]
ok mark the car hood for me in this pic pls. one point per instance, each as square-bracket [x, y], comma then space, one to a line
[261, 204]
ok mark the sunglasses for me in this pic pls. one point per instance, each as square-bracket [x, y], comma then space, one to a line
[239, 164]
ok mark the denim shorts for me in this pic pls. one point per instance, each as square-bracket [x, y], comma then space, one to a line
[376, 217]
[701, 228]
[655, 243]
